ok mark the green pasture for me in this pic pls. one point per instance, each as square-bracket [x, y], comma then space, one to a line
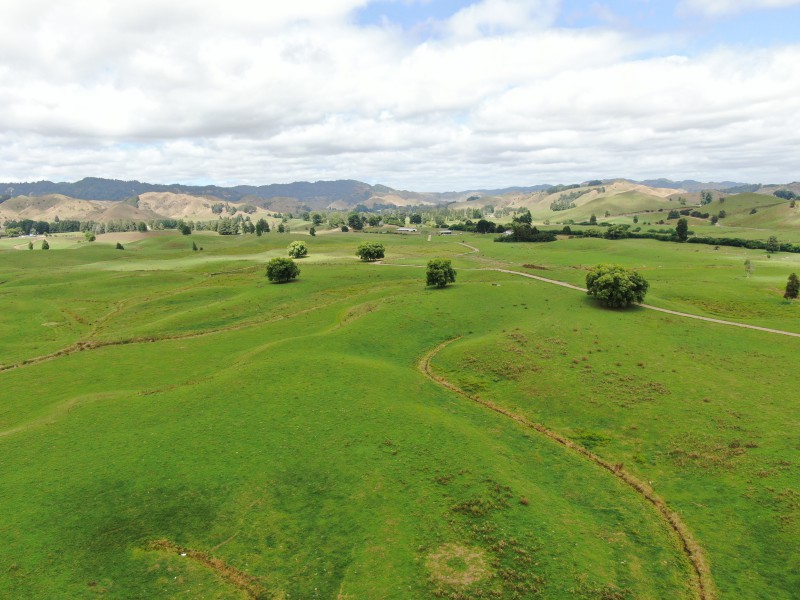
[627, 202]
[693, 278]
[702, 412]
[747, 216]
[287, 431]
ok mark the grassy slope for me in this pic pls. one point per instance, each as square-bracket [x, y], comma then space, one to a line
[676, 411]
[687, 277]
[773, 216]
[626, 202]
[340, 470]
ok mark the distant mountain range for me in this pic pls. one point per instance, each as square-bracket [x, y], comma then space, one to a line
[315, 195]
[690, 185]
[107, 200]
[95, 188]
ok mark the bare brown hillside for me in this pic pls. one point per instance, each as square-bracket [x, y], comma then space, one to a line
[150, 206]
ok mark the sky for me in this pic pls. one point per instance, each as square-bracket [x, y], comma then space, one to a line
[426, 95]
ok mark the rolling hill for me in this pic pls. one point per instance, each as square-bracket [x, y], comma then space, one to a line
[608, 199]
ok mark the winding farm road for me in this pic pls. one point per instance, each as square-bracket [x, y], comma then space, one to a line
[651, 307]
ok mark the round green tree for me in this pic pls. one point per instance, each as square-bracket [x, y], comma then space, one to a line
[370, 251]
[773, 245]
[440, 272]
[45, 245]
[615, 286]
[298, 249]
[281, 270]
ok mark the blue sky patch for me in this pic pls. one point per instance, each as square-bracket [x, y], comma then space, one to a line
[695, 32]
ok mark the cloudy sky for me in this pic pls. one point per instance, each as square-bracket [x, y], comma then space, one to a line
[417, 94]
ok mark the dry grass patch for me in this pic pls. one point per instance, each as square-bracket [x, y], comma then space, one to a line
[458, 566]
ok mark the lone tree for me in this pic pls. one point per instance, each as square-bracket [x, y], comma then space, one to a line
[281, 270]
[298, 249]
[682, 229]
[773, 245]
[615, 286]
[185, 229]
[370, 251]
[792, 287]
[45, 245]
[440, 272]
[120, 246]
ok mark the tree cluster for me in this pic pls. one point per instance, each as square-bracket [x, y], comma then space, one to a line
[227, 226]
[523, 232]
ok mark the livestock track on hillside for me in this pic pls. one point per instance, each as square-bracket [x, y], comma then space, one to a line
[702, 582]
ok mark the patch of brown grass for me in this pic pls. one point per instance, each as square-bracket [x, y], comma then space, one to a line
[457, 566]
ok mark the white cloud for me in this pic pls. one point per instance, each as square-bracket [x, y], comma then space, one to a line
[729, 7]
[497, 16]
[189, 94]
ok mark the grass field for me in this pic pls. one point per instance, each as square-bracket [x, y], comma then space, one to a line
[749, 216]
[172, 425]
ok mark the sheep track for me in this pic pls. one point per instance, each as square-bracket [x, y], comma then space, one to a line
[239, 579]
[702, 582]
